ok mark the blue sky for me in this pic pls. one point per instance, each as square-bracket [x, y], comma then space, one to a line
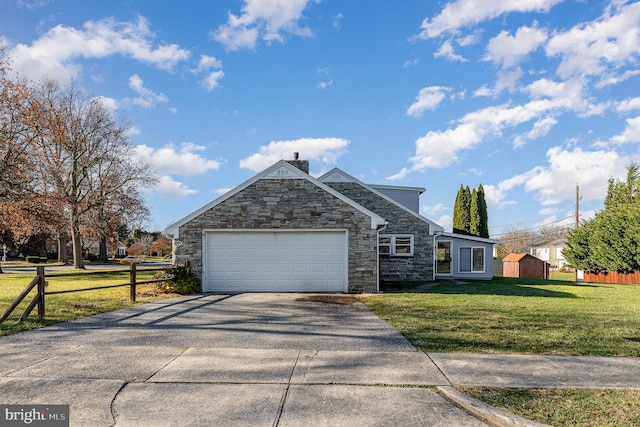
[528, 98]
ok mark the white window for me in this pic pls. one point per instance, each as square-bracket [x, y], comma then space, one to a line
[471, 260]
[396, 245]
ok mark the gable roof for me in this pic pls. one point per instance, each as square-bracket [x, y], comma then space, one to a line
[519, 257]
[280, 170]
[338, 175]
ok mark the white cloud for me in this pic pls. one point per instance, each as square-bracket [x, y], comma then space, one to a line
[600, 47]
[265, 19]
[185, 162]
[463, 13]
[324, 150]
[540, 128]
[507, 50]
[556, 182]
[439, 213]
[210, 67]
[629, 104]
[631, 133]
[147, 98]
[439, 149]
[324, 85]
[172, 189]
[54, 55]
[447, 51]
[428, 99]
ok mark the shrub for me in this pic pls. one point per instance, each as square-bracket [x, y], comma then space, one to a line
[180, 280]
[32, 259]
[92, 257]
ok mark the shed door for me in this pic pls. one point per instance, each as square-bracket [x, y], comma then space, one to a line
[275, 261]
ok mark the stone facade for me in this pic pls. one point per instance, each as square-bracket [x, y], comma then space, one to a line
[418, 267]
[287, 204]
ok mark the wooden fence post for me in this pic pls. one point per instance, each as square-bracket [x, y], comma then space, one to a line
[41, 288]
[132, 281]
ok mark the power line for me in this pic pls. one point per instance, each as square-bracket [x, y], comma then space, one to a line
[532, 228]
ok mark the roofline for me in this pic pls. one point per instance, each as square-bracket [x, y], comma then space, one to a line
[434, 226]
[400, 187]
[469, 237]
[174, 229]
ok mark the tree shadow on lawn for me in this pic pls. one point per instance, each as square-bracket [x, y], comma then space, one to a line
[516, 289]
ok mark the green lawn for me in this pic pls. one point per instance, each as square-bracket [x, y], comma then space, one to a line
[64, 307]
[529, 317]
[566, 407]
[518, 316]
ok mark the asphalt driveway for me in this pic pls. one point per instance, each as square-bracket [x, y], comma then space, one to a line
[247, 359]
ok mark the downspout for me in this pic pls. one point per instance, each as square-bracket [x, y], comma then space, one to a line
[379, 229]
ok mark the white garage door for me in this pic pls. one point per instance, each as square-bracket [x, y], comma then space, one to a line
[282, 261]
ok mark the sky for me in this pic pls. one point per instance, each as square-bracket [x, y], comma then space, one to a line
[529, 98]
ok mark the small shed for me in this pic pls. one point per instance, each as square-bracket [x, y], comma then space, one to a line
[525, 265]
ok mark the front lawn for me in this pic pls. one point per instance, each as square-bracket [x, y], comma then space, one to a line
[65, 307]
[522, 316]
[566, 407]
[529, 317]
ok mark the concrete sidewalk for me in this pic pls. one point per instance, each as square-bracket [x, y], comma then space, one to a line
[263, 359]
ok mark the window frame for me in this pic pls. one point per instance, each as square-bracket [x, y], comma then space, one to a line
[471, 249]
[393, 245]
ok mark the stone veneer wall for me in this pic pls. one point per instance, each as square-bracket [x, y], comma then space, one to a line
[287, 204]
[418, 267]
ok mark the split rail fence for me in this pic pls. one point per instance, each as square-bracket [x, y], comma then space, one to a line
[39, 282]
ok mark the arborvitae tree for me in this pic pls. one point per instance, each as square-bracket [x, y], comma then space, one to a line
[483, 230]
[459, 212]
[474, 214]
[470, 212]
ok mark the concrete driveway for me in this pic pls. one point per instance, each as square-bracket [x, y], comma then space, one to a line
[248, 359]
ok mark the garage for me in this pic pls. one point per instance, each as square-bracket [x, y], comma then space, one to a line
[275, 261]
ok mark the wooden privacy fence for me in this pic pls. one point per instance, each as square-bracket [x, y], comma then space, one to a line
[613, 277]
[40, 282]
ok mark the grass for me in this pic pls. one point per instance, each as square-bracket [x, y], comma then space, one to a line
[566, 407]
[529, 317]
[65, 307]
[522, 316]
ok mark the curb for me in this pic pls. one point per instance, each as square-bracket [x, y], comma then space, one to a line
[494, 416]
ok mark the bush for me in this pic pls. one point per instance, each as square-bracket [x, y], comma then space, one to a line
[33, 259]
[92, 257]
[180, 280]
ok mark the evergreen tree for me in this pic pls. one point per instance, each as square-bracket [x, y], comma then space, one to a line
[457, 212]
[474, 214]
[611, 240]
[484, 214]
[461, 211]
[470, 212]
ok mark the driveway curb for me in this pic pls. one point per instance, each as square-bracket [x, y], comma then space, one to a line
[490, 414]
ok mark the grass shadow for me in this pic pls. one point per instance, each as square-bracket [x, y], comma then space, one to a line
[492, 288]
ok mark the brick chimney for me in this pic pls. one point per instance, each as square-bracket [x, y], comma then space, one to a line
[303, 165]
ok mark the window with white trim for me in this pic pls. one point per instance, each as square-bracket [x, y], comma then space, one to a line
[396, 245]
[471, 260]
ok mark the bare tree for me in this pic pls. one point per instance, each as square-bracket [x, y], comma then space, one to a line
[515, 239]
[87, 161]
[551, 232]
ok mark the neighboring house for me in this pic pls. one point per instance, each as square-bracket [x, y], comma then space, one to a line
[93, 247]
[550, 252]
[525, 266]
[286, 231]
